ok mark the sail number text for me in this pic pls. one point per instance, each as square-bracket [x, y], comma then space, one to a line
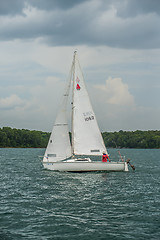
[88, 116]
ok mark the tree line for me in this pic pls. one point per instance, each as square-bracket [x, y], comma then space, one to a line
[132, 139]
[23, 138]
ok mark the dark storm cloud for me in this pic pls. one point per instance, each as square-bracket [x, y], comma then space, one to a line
[125, 8]
[8, 7]
[14, 7]
[132, 8]
[52, 4]
[122, 24]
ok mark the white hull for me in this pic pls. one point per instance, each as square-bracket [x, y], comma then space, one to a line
[86, 166]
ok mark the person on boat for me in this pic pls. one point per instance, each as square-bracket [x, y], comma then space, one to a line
[105, 157]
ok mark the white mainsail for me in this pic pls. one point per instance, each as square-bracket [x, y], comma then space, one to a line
[59, 146]
[86, 136]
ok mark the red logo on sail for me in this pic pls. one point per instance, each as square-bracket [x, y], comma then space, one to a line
[78, 86]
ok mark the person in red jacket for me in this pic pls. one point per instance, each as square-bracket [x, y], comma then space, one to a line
[105, 157]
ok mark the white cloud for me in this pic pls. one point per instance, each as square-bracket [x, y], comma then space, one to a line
[117, 92]
[36, 73]
[10, 102]
[36, 112]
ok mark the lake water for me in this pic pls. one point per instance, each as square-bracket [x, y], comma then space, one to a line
[40, 204]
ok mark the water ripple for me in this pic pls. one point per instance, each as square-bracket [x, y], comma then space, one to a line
[40, 204]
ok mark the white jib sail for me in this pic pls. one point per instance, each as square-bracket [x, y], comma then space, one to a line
[86, 136]
[59, 146]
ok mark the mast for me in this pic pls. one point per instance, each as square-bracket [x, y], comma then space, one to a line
[73, 85]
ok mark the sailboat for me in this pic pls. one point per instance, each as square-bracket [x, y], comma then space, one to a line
[63, 154]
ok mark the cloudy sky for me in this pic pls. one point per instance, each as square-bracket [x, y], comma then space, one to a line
[118, 44]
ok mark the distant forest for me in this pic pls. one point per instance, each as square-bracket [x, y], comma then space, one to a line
[22, 138]
[132, 139]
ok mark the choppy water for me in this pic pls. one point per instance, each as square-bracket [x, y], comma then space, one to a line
[40, 204]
